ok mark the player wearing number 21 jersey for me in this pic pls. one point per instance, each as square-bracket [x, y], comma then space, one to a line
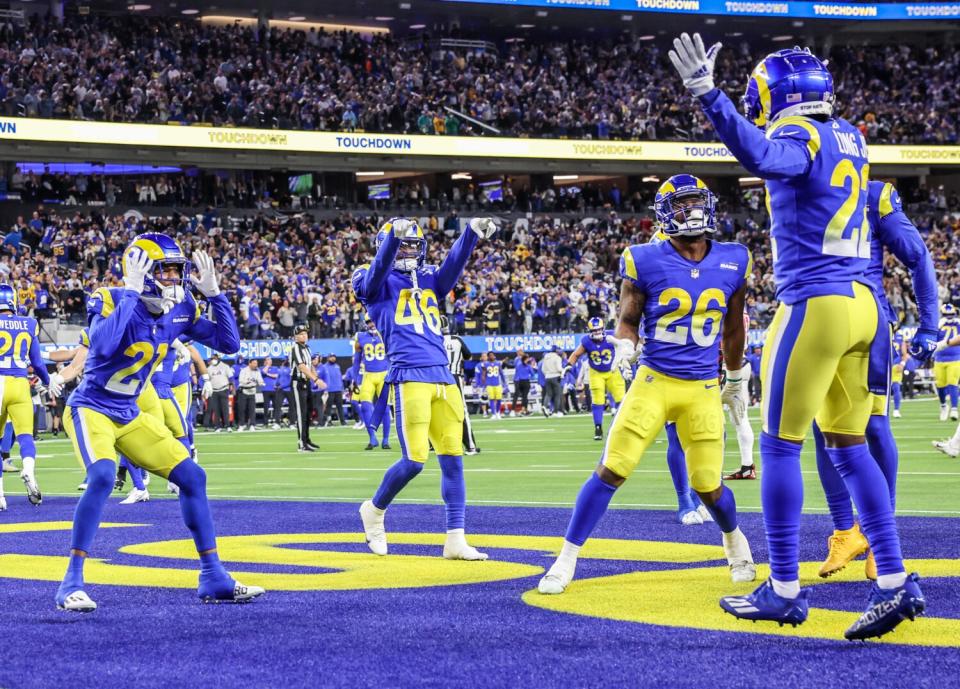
[828, 347]
[402, 296]
[688, 293]
[131, 331]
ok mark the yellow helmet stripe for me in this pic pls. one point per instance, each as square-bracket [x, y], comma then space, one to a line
[151, 248]
[763, 90]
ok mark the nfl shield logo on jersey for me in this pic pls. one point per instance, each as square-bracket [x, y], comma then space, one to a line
[694, 273]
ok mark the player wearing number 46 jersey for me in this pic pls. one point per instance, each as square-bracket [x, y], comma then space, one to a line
[685, 292]
[131, 331]
[402, 296]
[19, 349]
[828, 347]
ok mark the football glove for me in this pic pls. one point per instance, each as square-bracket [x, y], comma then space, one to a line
[136, 266]
[484, 227]
[56, 385]
[937, 348]
[566, 370]
[694, 64]
[626, 353]
[734, 394]
[924, 344]
[206, 387]
[206, 284]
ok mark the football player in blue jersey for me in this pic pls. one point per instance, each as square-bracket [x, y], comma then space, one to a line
[828, 347]
[19, 350]
[682, 293]
[373, 367]
[131, 330]
[900, 356]
[946, 364]
[890, 230]
[493, 380]
[402, 296]
[605, 376]
[950, 447]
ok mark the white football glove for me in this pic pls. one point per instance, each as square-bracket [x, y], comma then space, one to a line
[183, 354]
[484, 227]
[626, 353]
[206, 387]
[136, 266]
[56, 385]
[627, 371]
[400, 227]
[694, 64]
[941, 345]
[207, 282]
[734, 394]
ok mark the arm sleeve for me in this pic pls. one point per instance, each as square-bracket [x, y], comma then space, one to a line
[784, 152]
[368, 280]
[106, 332]
[452, 267]
[36, 360]
[221, 335]
[902, 238]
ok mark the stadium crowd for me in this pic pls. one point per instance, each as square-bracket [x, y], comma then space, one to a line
[548, 274]
[140, 69]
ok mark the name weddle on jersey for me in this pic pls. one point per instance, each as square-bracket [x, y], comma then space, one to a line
[675, 361]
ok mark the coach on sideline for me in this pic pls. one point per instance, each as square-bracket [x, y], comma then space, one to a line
[301, 375]
[219, 402]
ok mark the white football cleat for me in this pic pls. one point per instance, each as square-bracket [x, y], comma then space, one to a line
[82, 486]
[457, 548]
[944, 412]
[3, 504]
[136, 495]
[276, 426]
[947, 447]
[691, 518]
[704, 513]
[556, 580]
[8, 466]
[897, 414]
[78, 601]
[244, 594]
[146, 478]
[737, 549]
[373, 527]
[33, 490]
[173, 488]
[953, 414]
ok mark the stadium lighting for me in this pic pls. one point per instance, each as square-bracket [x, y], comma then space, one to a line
[525, 26]
[138, 8]
[384, 19]
[371, 174]
[541, 13]
[646, 37]
[190, 11]
[651, 178]
[416, 27]
[749, 180]
[461, 175]
[735, 34]
[785, 37]
[298, 18]
[565, 178]
[404, 5]
[626, 17]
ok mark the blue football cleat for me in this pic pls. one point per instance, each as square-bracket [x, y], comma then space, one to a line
[888, 608]
[765, 604]
[226, 590]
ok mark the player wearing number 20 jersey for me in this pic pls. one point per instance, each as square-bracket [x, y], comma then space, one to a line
[402, 296]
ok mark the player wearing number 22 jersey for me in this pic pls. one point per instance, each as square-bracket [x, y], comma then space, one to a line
[131, 331]
[828, 347]
[686, 292]
[402, 296]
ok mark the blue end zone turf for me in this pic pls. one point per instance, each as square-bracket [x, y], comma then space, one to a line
[452, 623]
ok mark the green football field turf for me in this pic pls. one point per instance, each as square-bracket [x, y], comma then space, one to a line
[526, 461]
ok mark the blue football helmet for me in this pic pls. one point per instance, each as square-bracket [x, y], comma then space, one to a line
[595, 326]
[685, 207]
[947, 310]
[788, 82]
[413, 245]
[9, 301]
[165, 252]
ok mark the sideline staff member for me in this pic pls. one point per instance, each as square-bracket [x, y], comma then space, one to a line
[301, 375]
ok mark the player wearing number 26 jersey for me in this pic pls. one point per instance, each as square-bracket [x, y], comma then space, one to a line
[131, 331]
[683, 293]
[402, 296]
[828, 346]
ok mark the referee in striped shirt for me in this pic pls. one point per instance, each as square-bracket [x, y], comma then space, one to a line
[301, 375]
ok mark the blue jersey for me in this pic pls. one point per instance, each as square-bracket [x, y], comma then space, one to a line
[332, 376]
[409, 321]
[685, 303]
[521, 369]
[20, 347]
[600, 355]
[181, 372]
[283, 377]
[493, 374]
[373, 353]
[897, 348]
[127, 343]
[949, 329]
[816, 176]
[270, 376]
[163, 375]
[892, 231]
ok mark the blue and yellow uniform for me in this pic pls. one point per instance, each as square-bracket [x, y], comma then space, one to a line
[405, 307]
[604, 378]
[172, 414]
[181, 385]
[891, 230]
[373, 365]
[19, 350]
[946, 364]
[828, 336]
[685, 304]
[127, 343]
[493, 380]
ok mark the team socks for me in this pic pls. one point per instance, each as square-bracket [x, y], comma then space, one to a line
[592, 502]
[194, 506]
[453, 490]
[724, 511]
[781, 494]
[597, 414]
[838, 498]
[942, 394]
[386, 426]
[953, 392]
[677, 463]
[86, 517]
[868, 487]
[366, 413]
[897, 393]
[883, 448]
[397, 476]
[136, 475]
